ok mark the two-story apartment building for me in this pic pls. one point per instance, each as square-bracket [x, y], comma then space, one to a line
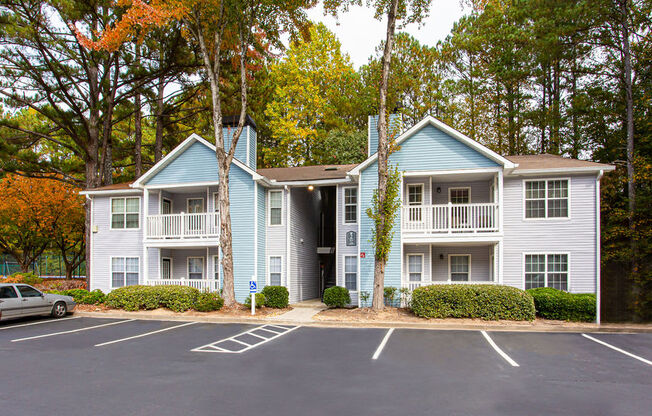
[468, 215]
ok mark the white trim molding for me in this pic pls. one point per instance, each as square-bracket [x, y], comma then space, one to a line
[450, 280]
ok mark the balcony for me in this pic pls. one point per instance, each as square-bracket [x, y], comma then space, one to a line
[183, 226]
[450, 219]
[204, 285]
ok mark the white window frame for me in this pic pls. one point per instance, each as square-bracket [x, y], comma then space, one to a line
[457, 188]
[344, 204]
[171, 266]
[450, 277]
[546, 218]
[357, 272]
[407, 265]
[125, 213]
[423, 193]
[269, 208]
[163, 199]
[125, 269]
[215, 204]
[269, 271]
[203, 204]
[545, 274]
[216, 264]
[203, 263]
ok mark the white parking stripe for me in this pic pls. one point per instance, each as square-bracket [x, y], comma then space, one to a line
[71, 331]
[144, 335]
[629, 354]
[212, 347]
[498, 350]
[41, 322]
[382, 344]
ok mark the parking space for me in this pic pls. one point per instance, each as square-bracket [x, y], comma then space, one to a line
[161, 368]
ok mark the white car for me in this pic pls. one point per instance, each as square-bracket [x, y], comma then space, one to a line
[18, 300]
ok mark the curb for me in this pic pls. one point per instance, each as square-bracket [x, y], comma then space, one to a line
[378, 324]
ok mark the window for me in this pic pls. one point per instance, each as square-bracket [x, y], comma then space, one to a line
[546, 199]
[275, 271]
[216, 202]
[166, 268]
[125, 213]
[275, 204]
[415, 200]
[124, 271]
[415, 267]
[546, 270]
[28, 292]
[459, 195]
[195, 205]
[216, 267]
[350, 205]
[195, 267]
[459, 267]
[351, 272]
[166, 206]
[8, 292]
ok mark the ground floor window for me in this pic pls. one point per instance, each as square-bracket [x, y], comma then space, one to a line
[351, 272]
[216, 267]
[546, 270]
[195, 267]
[275, 267]
[124, 271]
[415, 267]
[459, 267]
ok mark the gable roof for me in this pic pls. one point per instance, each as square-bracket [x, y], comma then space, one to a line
[431, 121]
[193, 138]
[553, 163]
[307, 173]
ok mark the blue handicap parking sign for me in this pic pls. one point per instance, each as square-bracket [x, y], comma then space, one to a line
[252, 286]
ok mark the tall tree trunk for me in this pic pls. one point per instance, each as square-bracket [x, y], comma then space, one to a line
[138, 130]
[383, 155]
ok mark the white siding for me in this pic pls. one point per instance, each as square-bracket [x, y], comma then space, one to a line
[341, 248]
[575, 235]
[304, 263]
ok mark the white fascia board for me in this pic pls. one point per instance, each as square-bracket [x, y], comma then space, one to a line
[584, 169]
[450, 171]
[429, 120]
[91, 192]
[317, 182]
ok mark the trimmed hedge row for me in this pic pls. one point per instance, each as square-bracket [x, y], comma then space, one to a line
[176, 298]
[556, 304]
[490, 302]
[82, 296]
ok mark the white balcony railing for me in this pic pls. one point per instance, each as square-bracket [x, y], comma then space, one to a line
[180, 226]
[450, 218]
[205, 285]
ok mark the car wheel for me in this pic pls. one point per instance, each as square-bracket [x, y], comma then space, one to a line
[59, 310]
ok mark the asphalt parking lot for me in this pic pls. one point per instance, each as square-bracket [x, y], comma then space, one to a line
[86, 366]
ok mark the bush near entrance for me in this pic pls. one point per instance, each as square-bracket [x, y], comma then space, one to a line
[133, 298]
[209, 302]
[260, 300]
[557, 304]
[276, 296]
[491, 302]
[337, 297]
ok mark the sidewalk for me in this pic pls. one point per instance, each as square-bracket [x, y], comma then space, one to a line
[306, 316]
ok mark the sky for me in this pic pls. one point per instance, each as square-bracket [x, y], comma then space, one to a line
[360, 33]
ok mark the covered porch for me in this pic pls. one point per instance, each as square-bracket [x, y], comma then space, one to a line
[451, 263]
[197, 267]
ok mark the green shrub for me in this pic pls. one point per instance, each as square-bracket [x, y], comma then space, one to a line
[556, 304]
[92, 298]
[473, 301]
[133, 298]
[28, 278]
[208, 302]
[337, 296]
[276, 296]
[260, 300]
[389, 294]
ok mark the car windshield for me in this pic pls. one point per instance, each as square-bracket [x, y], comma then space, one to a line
[8, 292]
[28, 292]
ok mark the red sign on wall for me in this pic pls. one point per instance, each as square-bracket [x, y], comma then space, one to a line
[363, 255]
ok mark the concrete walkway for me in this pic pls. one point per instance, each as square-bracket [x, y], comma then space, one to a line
[301, 312]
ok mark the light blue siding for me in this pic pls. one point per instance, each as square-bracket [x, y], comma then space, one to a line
[262, 236]
[253, 142]
[246, 142]
[395, 126]
[241, 193]
[196, 164]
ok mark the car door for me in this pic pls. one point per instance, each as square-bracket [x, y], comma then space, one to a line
[33, 301]
[10, 303]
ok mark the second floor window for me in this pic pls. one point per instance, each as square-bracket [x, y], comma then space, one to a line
[546, 199]
[275, 207]
[125, 213]
[350, 205]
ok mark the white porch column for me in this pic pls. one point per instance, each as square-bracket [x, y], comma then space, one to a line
[500, 201]
[144, 225]
[501, 262]
[495, 277]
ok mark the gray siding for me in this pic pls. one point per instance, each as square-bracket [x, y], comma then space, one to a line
[276, 238]
[479, 190]
[109, 243]
[341, 248]
[575, 236]
[479, 261]
[304, 263]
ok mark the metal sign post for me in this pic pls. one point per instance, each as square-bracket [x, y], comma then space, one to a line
[252, 294]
